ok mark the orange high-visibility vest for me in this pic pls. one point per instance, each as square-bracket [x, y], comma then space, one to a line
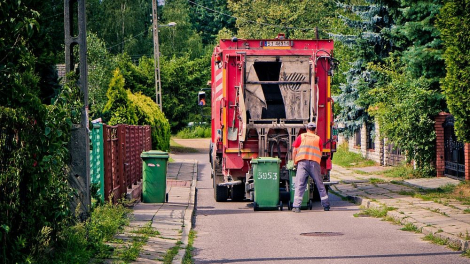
[309, 148]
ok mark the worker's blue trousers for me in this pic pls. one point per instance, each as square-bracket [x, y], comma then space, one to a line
[310, 168]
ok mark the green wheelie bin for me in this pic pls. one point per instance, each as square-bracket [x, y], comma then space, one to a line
[306, 202]
[266, 183]
[154, 167]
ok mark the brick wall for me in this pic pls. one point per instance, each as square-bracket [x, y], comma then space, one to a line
[440, 161]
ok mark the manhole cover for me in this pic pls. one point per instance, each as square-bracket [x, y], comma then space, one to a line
[322, 234]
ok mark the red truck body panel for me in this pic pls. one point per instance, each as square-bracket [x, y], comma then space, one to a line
[263, 93]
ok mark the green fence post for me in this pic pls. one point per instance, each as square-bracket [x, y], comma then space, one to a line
[97, 158]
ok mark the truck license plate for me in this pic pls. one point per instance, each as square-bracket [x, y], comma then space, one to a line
[275, 43]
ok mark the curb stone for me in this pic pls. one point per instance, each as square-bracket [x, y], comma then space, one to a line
[403, 220]
[188, 219]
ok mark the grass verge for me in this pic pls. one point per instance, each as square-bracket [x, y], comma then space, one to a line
[459, 192]
[375, 212]
[343, 157]
[188, 255]
[171, 253]
[411, 228]
[195, 132]
[177, 148]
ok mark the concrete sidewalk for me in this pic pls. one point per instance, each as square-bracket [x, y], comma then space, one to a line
[172, 220]
[447, 219]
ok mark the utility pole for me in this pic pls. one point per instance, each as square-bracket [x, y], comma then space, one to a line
[79, 145]
[156, 55]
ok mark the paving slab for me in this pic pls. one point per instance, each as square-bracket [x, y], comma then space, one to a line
[445, 218]
[172, 219]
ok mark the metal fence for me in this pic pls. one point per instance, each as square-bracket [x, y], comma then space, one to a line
[118, 148]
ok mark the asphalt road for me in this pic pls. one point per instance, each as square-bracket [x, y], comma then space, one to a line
[232, 232]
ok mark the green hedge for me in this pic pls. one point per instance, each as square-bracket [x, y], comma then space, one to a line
[148, 113]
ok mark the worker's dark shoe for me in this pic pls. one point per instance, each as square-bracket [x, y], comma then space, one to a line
[296, 210]
[326, 208]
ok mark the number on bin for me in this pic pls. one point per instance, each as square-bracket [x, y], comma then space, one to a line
[267, 175]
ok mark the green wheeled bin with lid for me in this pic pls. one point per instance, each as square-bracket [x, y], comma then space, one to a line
[154, 166]
[266, 183]
[306, 202]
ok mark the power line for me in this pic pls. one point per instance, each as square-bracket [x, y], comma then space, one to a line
[127, 40]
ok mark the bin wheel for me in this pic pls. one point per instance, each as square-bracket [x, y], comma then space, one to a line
[255, 206]
[310, 204]
[281, 206]
[289, 206]
[166, 197]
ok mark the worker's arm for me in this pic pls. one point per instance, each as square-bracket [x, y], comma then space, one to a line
[296, 145]
[294, 152]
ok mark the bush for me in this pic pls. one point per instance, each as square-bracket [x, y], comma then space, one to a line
[86, 240]
[148, 113]
[194, 132]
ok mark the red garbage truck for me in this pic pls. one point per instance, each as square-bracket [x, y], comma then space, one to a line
[263, 93]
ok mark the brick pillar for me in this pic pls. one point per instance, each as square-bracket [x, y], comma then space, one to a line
[467, 161]
[440, 162]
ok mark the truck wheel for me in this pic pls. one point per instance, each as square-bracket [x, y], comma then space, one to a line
[238, 192]
[220, 193]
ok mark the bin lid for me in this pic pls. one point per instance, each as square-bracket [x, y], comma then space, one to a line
[154, 154]
[265, 160]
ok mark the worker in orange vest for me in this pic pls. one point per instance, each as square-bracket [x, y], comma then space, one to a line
[307, 154]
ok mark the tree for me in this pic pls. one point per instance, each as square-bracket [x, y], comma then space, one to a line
[454, 24]
[124, 25]
[370, 44]
[404, 107]
[181, 81]
[266, 18]
[100, 71]
[208, 17]
[119, 109]
[181, 39]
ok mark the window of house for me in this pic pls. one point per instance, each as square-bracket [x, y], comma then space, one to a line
[358, 137]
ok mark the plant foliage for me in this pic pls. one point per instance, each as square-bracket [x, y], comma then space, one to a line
[148, 113]
[454, 24]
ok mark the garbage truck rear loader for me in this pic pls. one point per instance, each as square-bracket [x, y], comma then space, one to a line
[263, 93]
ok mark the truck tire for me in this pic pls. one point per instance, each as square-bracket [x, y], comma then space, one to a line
[238, 192]
[220, 193]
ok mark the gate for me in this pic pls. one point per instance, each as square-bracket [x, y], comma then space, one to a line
[394, 155]
[454, 155]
